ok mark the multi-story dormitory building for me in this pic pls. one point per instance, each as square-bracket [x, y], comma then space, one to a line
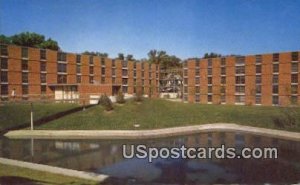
[32, 73]
[268, 79]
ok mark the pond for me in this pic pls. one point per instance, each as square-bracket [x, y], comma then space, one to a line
[106, 157]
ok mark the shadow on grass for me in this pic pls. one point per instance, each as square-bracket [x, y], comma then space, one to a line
[46, 119]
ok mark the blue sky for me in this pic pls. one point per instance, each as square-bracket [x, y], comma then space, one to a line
[184, 28]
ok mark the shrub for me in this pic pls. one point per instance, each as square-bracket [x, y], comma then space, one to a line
[120, 98]
[285, 119]
[106, 103]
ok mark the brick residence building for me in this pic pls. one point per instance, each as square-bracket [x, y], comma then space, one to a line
[267, 79]
[32, 73]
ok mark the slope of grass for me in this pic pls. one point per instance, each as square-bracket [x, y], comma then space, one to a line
[160, 113]
[16, 175]
[14, 114]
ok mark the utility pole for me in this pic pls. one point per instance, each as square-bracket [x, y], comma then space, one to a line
[31, 116]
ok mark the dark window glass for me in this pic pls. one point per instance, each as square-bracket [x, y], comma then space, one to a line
[91, 70]
[91, 60]
[275, 89]
[24, 77]
[43, 78]
[24, 52]
[78, 78]
[91, 79]
[78, 69]
[43, 66]
[78, 59]
[102, 71]
[4, 63]
[4, 76]
[3, 50]
[43, 89]
[275, 100]
[258, 68]
[61, 68]
[61, 56]
[258, 59]
[294, 78]
[25, 65]
[4, 89]
[25, 89]
[61, 79]
[43, 54]
[275, 57]
[295, 56]
[275, 68]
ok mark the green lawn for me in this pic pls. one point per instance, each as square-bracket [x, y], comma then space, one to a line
[14, 114]
[160, 113]
[16, 175]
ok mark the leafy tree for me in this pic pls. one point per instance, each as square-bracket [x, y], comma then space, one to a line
[93, 53]
[211, 55]
[106, 102]
[121, 56]
[120, 97]
[129, 57]
[5, 40]
[163, 59]
[30, 39]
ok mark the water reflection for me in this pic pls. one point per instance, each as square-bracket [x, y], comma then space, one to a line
[103, 156]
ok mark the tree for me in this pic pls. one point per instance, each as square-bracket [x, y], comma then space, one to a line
[211, 55]
[93, 53]
[30, 39]
[121, 56]
[120, 97]
[163, 59]
[106, 102]
[129, 57]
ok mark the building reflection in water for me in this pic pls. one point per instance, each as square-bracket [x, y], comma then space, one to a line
[103, 156]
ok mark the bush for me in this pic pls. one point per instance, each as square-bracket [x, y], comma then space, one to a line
[138, 97]
[120, 98]
[106, 103]
[286, 118]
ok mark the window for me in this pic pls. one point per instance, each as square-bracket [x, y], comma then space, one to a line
[134, 74]
[114, 80]
[294, 78]
[209, 71]
[61, 56]
[209, 98]
[185, 97]
[258, 68]
[25, 65]
[239, 69]
[4, 76]
[223, 80]
[113, 71]
[223, 71]
[102, 71]
[124, 64]
[197, 89]
[156, 74]
[61, 68]
[91, 60]
[197, 81]
[91, 79]
[258, 79]
[258, 59]
[4, 63]
[275, 100]
[143, 82]
[240, 61]
[4, 89]
[223, 89]
[43, 66]
[185, 81]
[240, 80]
[43, 54]
[223, 99]
[258, 89]
[3, 50]
[102, 80]
[209, 63]
[78, 78]
[197, 72]
[295, 56]
[275, 89]
[223, 61]
[61, 79]
[197, 98]
[294, 89]
[24, 52]
[294, 100]
[197, 63]
[209, 89]
[275, 57]
[143, 74]
[142, 66]
[258, 99]
[134, 65]
[103, 62]
[91, 68]
[150, 75]
[124, 81]
[275, 79]
[209, 80]
[78, 69]
[294, 67]
[43, 78]
[275, 68]
[78, 59]
[124, 89]
[43, 89]
[24, 77]
[240, 99]
[240, 89]
[185, 72]
[24, 89]
[124, 72]
[185, 89]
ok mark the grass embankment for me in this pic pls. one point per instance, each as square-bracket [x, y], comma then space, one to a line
[14, 114]
[158, 113]
[17, 175]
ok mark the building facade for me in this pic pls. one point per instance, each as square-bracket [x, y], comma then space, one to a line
[32, 73]
[267, 79]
